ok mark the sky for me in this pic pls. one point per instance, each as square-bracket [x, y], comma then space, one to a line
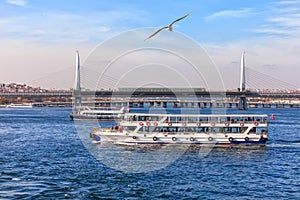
[38, 38]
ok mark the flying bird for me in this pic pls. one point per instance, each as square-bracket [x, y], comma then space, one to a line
[169, 27]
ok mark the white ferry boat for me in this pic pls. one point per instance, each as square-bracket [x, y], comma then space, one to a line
[97, 113]
[20, 105]
[135, 128]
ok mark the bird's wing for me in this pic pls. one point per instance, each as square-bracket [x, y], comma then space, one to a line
[156, 32]
[180, 19]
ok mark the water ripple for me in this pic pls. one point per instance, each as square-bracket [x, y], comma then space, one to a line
[42, 157]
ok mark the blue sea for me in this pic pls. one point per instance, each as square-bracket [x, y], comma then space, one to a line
[44, 155]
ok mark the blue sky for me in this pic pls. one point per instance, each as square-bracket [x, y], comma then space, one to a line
[211, 21]
[34, 33]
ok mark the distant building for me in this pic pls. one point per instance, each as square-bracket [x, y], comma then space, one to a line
[23, 88]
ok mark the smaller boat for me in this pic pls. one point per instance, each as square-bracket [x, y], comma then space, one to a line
[97, 113]
[20, 105]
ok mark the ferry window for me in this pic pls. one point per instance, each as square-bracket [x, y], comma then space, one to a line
[227, 129]
[203, 119]
[156, 129]
[253, 129]
[173, 130]
[192, 119]
[181, 119]
[216, 130]
[152, 129]
[173, 119]
[163, 129]
[213, 119]
[190, 129]
[131, 128]
[154, 118]
[257, 119]
[235, 120]
[141, 118]
[205, 129]
[210, 130]
[234, 130]
[181, 129]
[223, 119]
[199, 130]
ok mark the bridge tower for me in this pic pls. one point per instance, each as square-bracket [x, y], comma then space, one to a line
[77, 87]
[243, 100]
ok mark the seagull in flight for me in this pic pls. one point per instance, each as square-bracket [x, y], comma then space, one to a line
[169, 27]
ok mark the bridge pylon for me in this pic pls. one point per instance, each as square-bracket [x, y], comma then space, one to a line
[243, 100]
[77, 87]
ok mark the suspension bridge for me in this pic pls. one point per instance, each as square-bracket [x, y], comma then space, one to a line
[241, 98]
[141, 97]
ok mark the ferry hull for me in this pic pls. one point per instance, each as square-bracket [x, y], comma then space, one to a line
[99, 114]
[214, 139]
[75, 117]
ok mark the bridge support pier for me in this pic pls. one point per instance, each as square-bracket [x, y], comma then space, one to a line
[76, 99]
[243, 103]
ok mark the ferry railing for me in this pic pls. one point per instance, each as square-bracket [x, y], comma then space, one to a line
[201, 120]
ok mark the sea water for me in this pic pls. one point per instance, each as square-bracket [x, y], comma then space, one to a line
[42, 156]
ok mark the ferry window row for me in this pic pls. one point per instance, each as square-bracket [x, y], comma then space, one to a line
[202, 129]
[199, 119]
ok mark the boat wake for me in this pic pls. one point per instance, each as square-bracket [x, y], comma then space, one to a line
[285, 143]
[288, 141]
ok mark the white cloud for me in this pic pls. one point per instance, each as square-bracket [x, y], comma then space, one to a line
[283, 19]
[68, 27]
[287, 2]
[277, 57]
[273, 31]
[17, 2]
[230, 14]
[103, 29]
[287, 21]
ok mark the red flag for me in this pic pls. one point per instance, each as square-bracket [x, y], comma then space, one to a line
[272, 117]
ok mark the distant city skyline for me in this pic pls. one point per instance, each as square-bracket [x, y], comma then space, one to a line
[23, 88]
[39, 38]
